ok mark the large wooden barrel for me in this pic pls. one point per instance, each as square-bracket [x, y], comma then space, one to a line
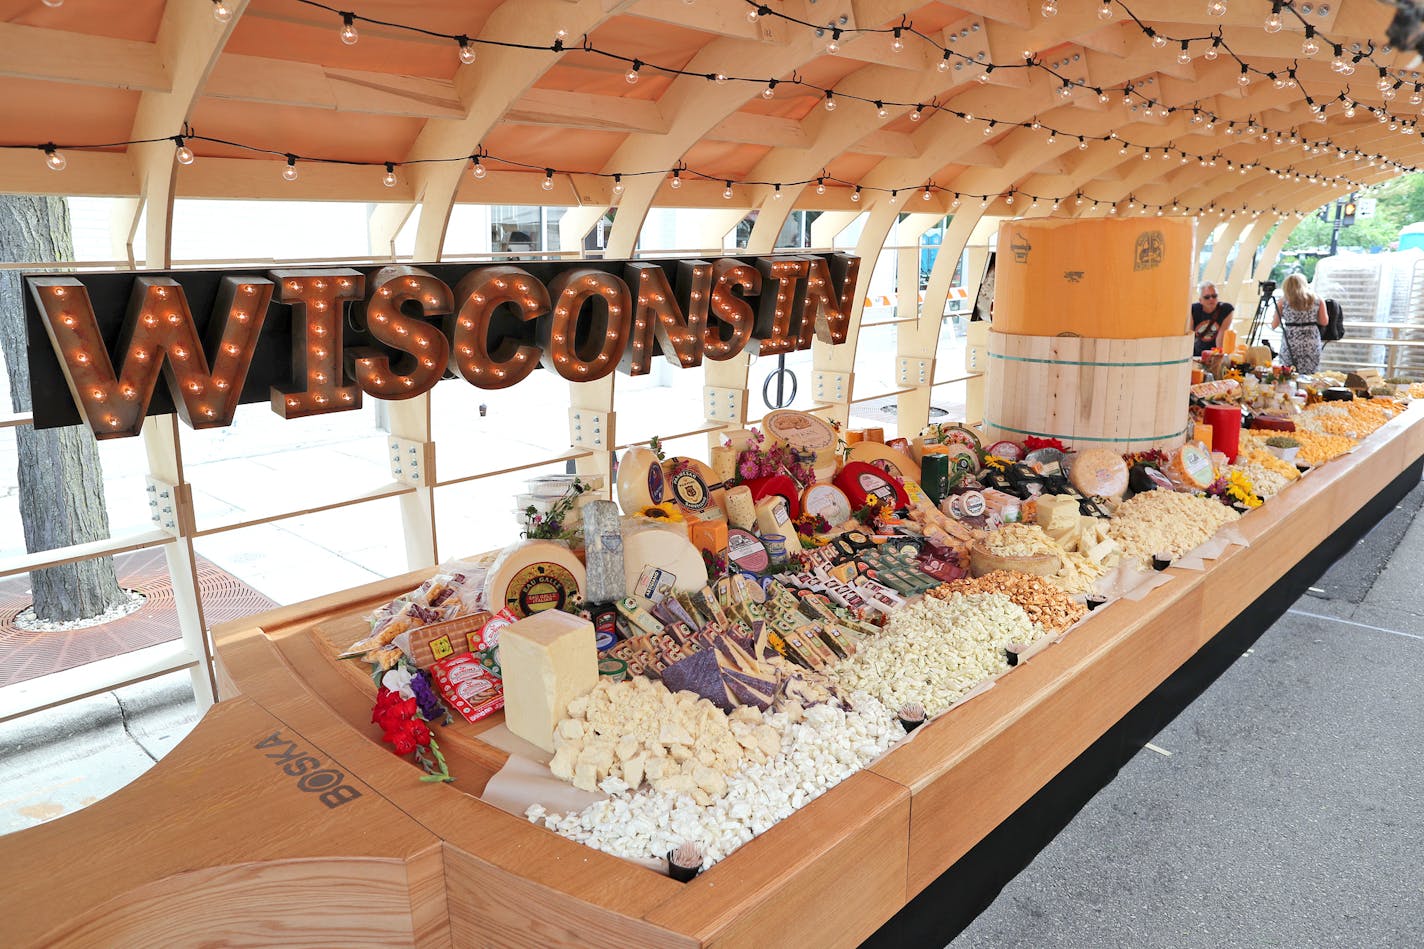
[1124, 394]
[1103, 278]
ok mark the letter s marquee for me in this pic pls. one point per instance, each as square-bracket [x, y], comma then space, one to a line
[312, 341]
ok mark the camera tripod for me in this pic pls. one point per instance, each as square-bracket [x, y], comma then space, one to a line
[1268, 291]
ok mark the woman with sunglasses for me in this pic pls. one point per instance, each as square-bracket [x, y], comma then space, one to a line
[1302, 313]
[1210, 320]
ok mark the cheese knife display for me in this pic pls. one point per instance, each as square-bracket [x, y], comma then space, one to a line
[730, 640]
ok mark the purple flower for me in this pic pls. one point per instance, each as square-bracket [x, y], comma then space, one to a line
[429, 702]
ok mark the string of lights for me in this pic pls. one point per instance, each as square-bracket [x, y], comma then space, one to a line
[482, 161]
[1203, 118]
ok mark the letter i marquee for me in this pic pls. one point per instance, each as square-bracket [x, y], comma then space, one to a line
[315, 341]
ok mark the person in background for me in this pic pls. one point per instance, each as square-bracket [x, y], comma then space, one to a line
[1210, 320]
[1302, 313]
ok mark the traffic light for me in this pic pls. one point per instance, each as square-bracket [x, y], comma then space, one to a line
[1347, 214]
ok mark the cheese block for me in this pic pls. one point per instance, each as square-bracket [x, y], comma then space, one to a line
[826, 500]
[658, 561]
[739, 440]
[1099, 472]
[709, 535]
[1191, 466]
[641, 482]
[897, 463]
[694, 487]
[745, 552]
[773, 517]
[1056, 513]
[859, 480]
[741, 507]
[603, 553]
[535, 575]
[724, 463]
[805, 433]
[548, 660]
[781, 486]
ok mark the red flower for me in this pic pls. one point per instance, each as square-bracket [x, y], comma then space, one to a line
[420, 734]
[403, 743]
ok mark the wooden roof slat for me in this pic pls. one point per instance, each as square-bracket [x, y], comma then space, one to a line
[579, 110]
[29, 52]
[285, 82]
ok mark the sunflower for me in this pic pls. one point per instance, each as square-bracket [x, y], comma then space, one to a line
[666, 511]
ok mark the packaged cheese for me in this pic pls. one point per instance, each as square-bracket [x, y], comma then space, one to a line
[773, 518]
[1099, 472]
[535, 575]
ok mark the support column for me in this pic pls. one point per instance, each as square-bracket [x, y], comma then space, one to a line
[917, 343]
[172, 499]
[1240, 280]
[1215, 272]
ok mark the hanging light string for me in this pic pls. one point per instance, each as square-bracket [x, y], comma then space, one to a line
[481, 161]
[831, 97]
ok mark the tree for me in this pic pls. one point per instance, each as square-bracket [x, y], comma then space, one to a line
[61, 481]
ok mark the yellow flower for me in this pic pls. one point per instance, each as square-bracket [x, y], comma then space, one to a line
[666, 511]
[995, 462]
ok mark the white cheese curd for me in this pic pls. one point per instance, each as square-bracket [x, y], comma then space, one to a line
[817, 753]
[934, 650]
[1155, 522]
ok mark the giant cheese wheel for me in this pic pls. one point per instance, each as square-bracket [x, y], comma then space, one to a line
[804, 433]
[535, 575]
[897, 463]
[641, 482]
[658, 557]
[1100, 278]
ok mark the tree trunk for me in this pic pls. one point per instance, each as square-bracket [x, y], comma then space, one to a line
[61, 481]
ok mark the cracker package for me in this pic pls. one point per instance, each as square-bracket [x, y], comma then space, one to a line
[468, 687]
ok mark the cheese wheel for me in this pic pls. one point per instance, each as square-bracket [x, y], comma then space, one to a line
[859, 480]
[535, 575]
[897, 463]
[746, 552]
[1192, 466]
[658, 561]
[774, 517]
[1099, 472]
[641, 482]
[803, 432]
[741, 507]
[828, 501]
[780, 486]
[693, 487]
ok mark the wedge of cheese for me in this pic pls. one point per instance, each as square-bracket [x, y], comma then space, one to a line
[548, 660]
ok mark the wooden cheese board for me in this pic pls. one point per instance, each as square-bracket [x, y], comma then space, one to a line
[216, 844]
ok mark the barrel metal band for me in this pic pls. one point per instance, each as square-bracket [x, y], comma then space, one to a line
[1082, 438]
[1073, 362]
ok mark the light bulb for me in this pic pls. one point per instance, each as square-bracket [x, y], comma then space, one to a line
[727, 191]
[720, 79]
[776, 195]
[894, 196]
[184, 154]
[855, 195]
[834, 46]
[753, 15]
[548, 184]
[820, 186]
[1274, 23]
[1009, 198]
[389, 179]
[676, 180]
[1310, 46]
[290, 172]
[1384, 82]
[55, 159]
[769, 91]
[954, 205]
[53, 3]
[467, 52]
[1185, 56]
[1105, 11]
[478, 170]
[617, 184]
[1049, 8]
[632, 75]
[349, 36]
[943, 64]
[880, 110]
[221, 13]
[1244, 79]
[926, 195]
[897, 45]
[915, 115]
[1158, 41]
[830, 101]
[1216, 8]
[1210, 53]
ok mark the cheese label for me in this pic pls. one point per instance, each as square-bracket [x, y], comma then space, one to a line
[690, 490]
[878, 487]
[538, 587]
[973, 503]
[655, 584]
[656, 483]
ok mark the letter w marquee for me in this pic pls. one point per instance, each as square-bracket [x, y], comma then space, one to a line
[318, 341]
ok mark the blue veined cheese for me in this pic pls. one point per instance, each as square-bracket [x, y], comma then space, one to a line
[603, 553]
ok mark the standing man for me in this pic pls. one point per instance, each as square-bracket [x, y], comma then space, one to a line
[1210, 320]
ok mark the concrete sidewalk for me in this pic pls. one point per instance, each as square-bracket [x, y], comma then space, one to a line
[1281, 808]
